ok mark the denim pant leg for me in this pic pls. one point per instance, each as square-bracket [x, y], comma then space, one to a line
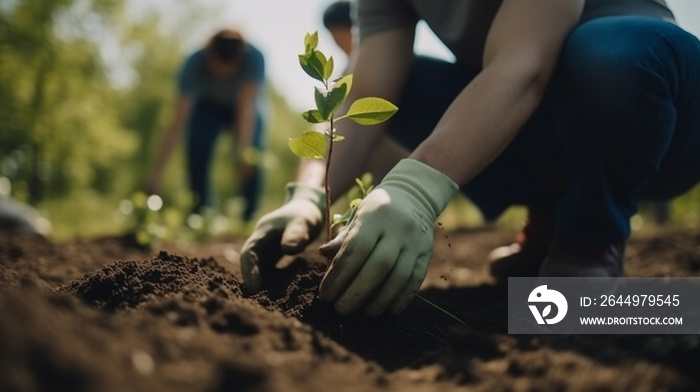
[628, 92]
[518, 176]
[205, 123]
[251, 188]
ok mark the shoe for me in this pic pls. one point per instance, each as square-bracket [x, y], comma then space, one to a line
[524, 257]
[570, 259]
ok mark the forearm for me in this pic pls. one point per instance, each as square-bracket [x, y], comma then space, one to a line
[520, 54]
[170, 137]
[384, 157]
[311, 172]
[245, 131]
[481, 122]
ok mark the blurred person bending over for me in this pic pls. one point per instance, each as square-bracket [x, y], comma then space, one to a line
[218, 86]
[337, 20]
[576, 109]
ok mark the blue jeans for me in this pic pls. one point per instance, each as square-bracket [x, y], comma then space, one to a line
[205, 123]
[620, 122]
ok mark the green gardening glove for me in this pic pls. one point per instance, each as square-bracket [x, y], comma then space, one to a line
[284, 231]
[385, 249]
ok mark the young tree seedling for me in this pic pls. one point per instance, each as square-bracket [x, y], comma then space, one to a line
[315, 145]
[329, 97]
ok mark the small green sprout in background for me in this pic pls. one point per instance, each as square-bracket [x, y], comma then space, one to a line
[145, 210]
[329, 97]
[153, 222]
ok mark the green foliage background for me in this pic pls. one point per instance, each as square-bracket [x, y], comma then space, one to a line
[75, 141]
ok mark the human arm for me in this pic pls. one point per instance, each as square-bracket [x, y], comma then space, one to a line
[520, 54]
[381, 256]
[172, 134]
[245, 126]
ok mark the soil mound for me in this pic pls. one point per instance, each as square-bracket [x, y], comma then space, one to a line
[105, 316]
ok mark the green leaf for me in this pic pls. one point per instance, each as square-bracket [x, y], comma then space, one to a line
[313, 116]
[328, 101]
[310, 42]
[367, 186]
[335, 136]
[355, 202]
[362, 188]
[370, 111]
[345, 80]
[359, 183]
[318, 60]
[313, 64]
[339, 221]
[347, 215]
[310, 144]
[328, 68]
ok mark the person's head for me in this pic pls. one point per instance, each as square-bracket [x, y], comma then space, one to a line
[337, 21]
[224, 52]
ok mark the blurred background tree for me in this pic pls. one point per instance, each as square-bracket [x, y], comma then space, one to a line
[78, 127]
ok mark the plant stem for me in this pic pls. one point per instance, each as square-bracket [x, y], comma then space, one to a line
[443, 310]
[327, 182]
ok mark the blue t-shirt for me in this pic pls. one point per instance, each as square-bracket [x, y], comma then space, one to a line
[198, 82]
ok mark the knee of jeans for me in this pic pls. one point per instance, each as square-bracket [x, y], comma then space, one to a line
[611, 58]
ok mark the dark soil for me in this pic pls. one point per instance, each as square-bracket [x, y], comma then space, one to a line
[104, 315]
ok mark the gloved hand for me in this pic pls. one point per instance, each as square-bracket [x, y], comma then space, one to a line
[385, 250]
[286, 230]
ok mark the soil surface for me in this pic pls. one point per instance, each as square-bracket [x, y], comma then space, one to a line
[103, 315]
